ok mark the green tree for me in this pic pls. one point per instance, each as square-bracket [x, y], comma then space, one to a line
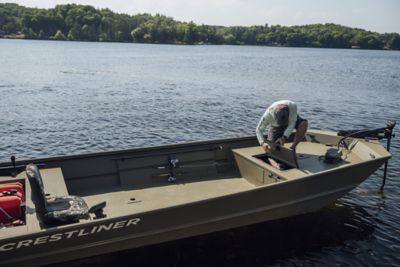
[58, 36]
[29, 33]
[88, 32]
[296, 39]
[393, 41]
[138, 34]
[229, 39]
[42, 35]
[191, 33]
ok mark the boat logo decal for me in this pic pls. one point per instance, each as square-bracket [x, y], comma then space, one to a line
[69, 234]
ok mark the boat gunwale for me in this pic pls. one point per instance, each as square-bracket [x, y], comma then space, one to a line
[152, 148]
[130, 150]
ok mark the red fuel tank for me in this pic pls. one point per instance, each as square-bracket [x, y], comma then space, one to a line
[13, 186]
[11, 197]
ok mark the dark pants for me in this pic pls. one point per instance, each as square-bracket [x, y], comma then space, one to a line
[277, 132]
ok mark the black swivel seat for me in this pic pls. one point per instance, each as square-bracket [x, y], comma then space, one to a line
[64, 209]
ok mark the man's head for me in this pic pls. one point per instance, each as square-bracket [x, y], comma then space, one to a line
[282, 115]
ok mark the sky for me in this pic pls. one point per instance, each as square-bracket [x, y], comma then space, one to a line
[374, 15]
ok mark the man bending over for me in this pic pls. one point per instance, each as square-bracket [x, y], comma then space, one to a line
[282, 118]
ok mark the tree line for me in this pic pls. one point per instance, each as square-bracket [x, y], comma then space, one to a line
[86, 23]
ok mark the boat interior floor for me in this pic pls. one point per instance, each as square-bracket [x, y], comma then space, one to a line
[151, 198]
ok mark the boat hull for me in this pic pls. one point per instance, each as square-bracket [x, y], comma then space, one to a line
[260, 204]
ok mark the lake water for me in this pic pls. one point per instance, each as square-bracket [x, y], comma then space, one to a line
[59, 98]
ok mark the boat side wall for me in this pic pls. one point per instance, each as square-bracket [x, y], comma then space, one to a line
[100, 172]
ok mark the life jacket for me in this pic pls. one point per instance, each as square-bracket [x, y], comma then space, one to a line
[12, 197]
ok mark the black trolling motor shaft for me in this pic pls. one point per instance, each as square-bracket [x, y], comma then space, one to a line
[388, 135]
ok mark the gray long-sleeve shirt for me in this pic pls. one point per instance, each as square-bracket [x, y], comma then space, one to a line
[269, 118]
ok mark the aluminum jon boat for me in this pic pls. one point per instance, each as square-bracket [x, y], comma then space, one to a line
[64, 208]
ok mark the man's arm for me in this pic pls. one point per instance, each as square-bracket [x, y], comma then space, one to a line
[292, 120]
[262, 125]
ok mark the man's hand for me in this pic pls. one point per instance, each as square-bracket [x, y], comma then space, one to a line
[266, 148]
[281, 141]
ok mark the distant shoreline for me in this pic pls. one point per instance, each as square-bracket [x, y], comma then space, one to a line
[182, 44]
[85, 23]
